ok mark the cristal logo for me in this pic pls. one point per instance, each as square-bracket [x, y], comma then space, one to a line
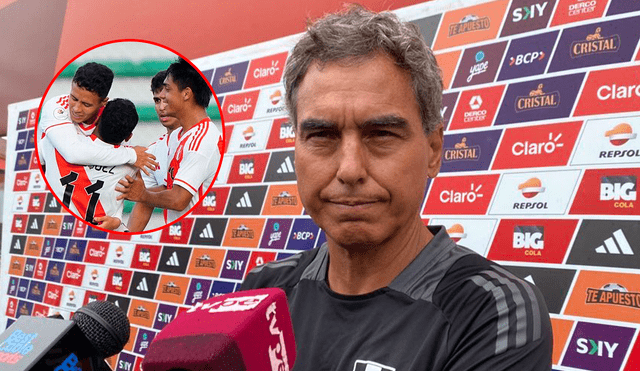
[528, 12]
[609, 92]
[620, 134]
[246, 167]
[266, 72]
[240, 108]
[479, 67]
[228, 78]
[456, 232]
[597, 348]
[528, 148]
[452, 196]
[248, 133]
[619, 189]
[595, 44]
[531, 188]
[462, 151]
[538, 99]
[528, 237]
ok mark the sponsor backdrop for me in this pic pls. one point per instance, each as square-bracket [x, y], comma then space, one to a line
[540, 173]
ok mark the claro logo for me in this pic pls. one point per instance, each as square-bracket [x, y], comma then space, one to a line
[240, 108]
[531, 148]
[453, 196]
[608, 92]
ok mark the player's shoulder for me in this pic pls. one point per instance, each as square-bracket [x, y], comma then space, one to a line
[55, 109]
[284, 273]
[203, 137]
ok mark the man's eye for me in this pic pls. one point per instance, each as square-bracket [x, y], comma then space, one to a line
[320, 134]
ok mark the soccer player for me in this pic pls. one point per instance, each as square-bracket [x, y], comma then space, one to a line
[141, 212]
[195, 160]
[385, 292]
[67, 120]
[89, 190]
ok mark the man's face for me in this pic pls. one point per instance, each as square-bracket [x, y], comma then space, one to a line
[168, 122]
[84, 104]
[362, 157]
[172, 97]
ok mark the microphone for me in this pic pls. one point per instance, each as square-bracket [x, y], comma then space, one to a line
[98, 330]
[243, 331]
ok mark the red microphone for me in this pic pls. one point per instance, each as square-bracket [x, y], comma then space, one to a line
[244, 331]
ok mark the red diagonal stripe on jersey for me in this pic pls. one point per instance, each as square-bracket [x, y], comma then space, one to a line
[193, 135]
[201, 136]
[79, 197]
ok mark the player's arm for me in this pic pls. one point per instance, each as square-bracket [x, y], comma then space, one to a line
[111, 223]
[79, 149]
[141, 214]
[133, 189]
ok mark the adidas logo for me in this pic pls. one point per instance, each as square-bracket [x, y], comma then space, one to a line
[610, 246]
[286, 167]
[17, 246]
[142, 286]
[34, 225]
[206, 233]
[245, 201]
[53, 203]
[173, 259]
[529, 278]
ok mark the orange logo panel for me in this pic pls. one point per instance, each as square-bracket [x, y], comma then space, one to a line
[52, 225]
[206, 262]
[16, 266]
[569, 11]
[470, 25]
[448, 63]
[172, 289]
[614, 296]
[282, 199]
[132, 339]
[243, 232]
[34, 246]
[142, 313]
[561, 330]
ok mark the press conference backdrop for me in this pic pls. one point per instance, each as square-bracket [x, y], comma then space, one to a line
[539, 173]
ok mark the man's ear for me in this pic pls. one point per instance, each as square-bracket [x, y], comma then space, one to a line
[187, 93]
[104, 102]
[435, 140]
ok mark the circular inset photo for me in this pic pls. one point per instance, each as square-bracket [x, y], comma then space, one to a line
[129, 136]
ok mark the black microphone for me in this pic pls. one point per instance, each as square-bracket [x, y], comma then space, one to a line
[98, 330]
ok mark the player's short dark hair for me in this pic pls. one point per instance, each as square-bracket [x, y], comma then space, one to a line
[118, 120]
[186, 76]
[157, 82]
[94, 77]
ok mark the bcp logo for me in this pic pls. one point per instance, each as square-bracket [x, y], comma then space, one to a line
[607, 191]
[537, 146]
[610, 91]
[238, 107]
[461, 194]
[477, 108]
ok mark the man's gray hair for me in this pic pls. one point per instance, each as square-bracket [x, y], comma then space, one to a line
[357, 33]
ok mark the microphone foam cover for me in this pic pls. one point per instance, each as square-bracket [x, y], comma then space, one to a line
[105, 325]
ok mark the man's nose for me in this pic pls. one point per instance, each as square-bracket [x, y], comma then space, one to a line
[352, 160]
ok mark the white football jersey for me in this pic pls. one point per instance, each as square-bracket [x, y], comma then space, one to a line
[194, 160]
[160, 149]
[71, 140]
[89, 190]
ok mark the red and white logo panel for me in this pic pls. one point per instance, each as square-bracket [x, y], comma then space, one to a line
[608, 191]
[239, 107]
[537, 146]
[465, 195]
[476, 108]
[532, 240]
[474, 234]
[610, 91]
[539, 193]
[609, 141]
[266, 70]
